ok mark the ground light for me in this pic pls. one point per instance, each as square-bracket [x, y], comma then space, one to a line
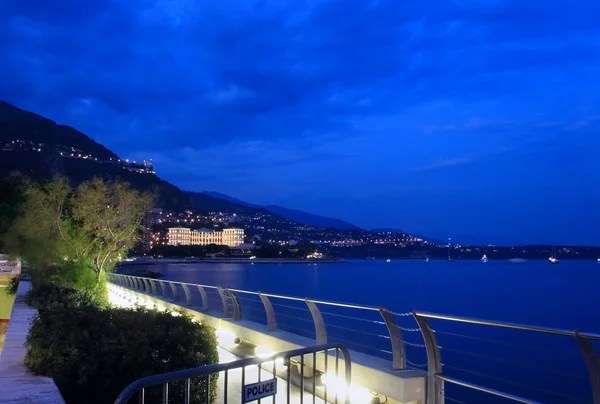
[356, 393]
[128, 300]
[262, 352]
[225, 338]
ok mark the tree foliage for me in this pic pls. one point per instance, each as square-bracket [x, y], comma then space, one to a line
[75, 236]
[110, 215]
[11, 204]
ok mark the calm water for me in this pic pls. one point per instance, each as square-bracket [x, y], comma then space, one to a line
[549, 369]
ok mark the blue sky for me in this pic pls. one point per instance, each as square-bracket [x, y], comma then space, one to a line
[477, 119]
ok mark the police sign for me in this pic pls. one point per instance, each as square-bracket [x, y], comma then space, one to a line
[259, 390]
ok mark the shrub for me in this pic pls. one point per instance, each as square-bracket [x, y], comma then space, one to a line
[13, 285]
[93, 354]
[50, 295]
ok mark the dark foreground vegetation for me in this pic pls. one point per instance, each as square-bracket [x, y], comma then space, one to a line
[93, 351]
[71, 239]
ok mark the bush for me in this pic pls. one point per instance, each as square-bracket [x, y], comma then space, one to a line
[52, 296]
[93, 353]
[69, 274]
[13, 285]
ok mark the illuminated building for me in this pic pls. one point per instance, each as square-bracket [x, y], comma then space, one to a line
[186, 236]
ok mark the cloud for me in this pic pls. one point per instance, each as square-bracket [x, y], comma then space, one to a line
[215, 72]
[453, 162]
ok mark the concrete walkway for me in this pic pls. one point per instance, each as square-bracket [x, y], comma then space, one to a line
[16, 385]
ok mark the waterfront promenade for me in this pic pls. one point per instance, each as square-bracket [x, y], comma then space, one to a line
[17, 386]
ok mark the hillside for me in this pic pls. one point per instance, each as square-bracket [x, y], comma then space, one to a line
[40, 149]
[298, 216]
[18, 124]
[215, 204]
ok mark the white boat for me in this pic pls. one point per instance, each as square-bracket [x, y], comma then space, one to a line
[389, 260]
[553, 259]
[598, 260]
[427, 259]
[484, 258]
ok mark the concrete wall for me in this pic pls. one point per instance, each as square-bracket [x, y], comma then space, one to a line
[375, 374]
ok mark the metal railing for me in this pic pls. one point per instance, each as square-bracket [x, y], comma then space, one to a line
[231, 307]
[234, 303]
[436, 377]
[198, 380]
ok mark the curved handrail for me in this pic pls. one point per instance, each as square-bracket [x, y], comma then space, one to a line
[514, 326]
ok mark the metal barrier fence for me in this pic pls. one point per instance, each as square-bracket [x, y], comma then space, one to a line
[196, 383]
[427, 353]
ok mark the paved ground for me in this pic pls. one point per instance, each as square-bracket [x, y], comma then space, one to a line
[16, 385]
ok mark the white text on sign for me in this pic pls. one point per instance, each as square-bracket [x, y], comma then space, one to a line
[259, 390]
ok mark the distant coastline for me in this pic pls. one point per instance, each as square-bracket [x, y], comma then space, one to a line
[152, 261]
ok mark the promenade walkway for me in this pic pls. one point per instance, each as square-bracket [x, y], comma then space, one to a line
[16, 385]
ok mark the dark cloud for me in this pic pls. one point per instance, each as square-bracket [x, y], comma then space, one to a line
[240, 72]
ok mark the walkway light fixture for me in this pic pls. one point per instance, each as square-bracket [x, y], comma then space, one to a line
[336, 385]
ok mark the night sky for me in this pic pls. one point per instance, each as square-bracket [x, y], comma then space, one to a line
[472, 119]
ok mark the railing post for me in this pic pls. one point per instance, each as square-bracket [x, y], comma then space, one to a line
[138, 285]
[593, 364]
[163, 288]
[154, 288]
[435, 387]
[147, 284]
[188, 295]
[127, 281]
[320, 330]
[398, 348]
[224, 300]
[175, 292]
[237, 312]
[271, 319]
[205, 305]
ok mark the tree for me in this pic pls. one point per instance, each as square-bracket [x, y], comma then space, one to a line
[111, 215]
[11, 204]
[43, 234]
[74, 236]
